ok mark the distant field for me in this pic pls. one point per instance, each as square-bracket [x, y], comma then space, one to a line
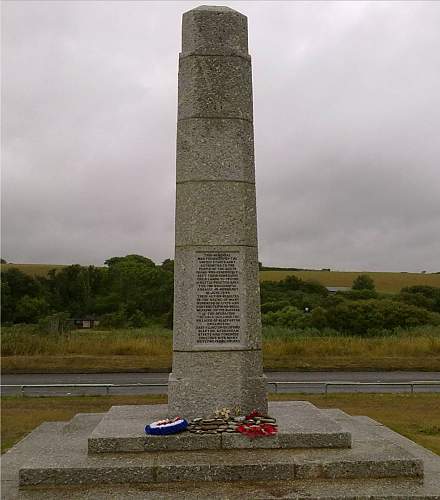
[33, 269]
[385, 282]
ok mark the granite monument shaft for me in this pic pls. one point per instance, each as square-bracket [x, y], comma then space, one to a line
[217, 359]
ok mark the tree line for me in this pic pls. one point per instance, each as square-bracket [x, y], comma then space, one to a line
[297, 304]
[128, 291]
[133, 291]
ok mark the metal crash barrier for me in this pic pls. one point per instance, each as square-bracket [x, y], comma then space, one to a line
[325, 384]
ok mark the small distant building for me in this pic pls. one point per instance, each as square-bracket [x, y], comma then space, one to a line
[334, 289]
[84, 322]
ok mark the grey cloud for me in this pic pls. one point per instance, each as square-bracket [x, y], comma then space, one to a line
[347, 119]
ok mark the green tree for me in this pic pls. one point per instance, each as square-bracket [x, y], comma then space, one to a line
[15, 285]
[363, 282]
[168, 265]
[363, 316]
[139, 286]
[318, 318]
[421, 296]
[30, 309]
[139, 259]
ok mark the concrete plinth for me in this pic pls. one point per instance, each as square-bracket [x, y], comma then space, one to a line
[380, 464]
[300, 425]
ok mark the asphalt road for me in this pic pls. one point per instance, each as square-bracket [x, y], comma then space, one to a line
[313, 385]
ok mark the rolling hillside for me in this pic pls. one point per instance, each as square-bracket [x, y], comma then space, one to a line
[385, 282]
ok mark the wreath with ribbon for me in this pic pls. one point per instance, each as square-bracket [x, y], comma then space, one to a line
[253, 430]
[166, 426]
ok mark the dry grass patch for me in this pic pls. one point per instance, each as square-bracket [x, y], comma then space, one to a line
[150, 349]
[86, 364]
[383, 353]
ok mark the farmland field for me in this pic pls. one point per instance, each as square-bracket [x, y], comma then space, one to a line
[385, 282]
[33, 269]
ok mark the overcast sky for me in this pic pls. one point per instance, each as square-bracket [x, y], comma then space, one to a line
[347, 131]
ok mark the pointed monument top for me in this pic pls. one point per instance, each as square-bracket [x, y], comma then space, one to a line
[213, 29]
[215, 8]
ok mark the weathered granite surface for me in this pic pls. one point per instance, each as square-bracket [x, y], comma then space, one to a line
[227, 390]
[225, 148]
[65, 462]
[212, 29]
[215, 86]
[215, 213]
[217, 353]
[55, 453]
[300, 425]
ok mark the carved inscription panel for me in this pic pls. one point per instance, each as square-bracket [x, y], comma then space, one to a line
[218, 299]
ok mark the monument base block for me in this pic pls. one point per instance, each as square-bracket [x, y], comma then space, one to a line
[194, 391]
[300, 425]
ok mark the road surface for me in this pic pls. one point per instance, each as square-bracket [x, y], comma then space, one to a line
[162, 378]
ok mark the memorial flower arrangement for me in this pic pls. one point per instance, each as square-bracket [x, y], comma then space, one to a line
[258, 425]
[166, 426]
[226, 420]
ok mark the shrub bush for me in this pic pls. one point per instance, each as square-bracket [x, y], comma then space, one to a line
[360, 317]
[363, 282]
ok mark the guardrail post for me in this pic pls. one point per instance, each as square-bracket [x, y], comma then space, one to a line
[412, 388]
[326, 389]
[22, 390]
[107, 389]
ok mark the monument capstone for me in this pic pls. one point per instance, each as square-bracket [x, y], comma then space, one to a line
[217, 359]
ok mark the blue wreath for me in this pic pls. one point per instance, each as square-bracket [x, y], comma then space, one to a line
[163, 430]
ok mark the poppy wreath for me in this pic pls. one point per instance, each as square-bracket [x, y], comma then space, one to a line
[165, 427]
[261, 429]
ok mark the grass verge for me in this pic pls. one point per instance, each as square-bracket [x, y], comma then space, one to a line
[415, 416]
[151, 351]
[26, 350]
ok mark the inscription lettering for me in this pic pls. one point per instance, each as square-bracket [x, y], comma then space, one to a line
[218, 299]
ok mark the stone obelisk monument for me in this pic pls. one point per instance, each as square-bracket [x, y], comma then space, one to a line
[217, 360]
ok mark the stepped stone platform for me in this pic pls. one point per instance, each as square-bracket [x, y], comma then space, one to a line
[55, 461]
[300, 425]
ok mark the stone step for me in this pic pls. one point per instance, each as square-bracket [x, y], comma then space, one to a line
[316, 489]
[40, 442]
[242, 466]
[63, 459]
[300, 425]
